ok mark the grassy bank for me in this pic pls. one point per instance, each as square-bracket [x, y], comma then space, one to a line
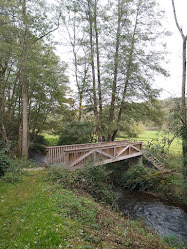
[36, 214]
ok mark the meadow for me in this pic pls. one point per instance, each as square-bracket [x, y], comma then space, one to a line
[161, 138]
[155, 137]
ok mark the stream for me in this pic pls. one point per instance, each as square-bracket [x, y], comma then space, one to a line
[166, 218]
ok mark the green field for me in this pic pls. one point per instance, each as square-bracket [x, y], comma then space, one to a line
[51, 140]
[156, 137]
[148, 135]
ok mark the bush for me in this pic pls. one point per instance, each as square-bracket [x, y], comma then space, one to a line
[37, 143]
[137, 177]
[94, 180]
[5, 163]
[10, 169]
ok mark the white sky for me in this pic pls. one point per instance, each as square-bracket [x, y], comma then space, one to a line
[172, 85]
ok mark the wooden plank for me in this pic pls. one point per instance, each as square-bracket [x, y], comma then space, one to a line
[123, 150]
[103, 153]
[81, 158]
[134, 148]
[119, 158]
[72, 152]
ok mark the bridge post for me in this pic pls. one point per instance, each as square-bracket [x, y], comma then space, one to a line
[66, 159]
[114, 152]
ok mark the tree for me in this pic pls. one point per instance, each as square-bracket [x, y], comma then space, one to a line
[7, 44]
[117, 40]
[183, 116]
[137, 62]
[33, 79]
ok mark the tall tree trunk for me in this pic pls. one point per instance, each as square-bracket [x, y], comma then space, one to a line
[24, 86]
[184, 77]
[98, 73]
[93, 64]
[183, 118]
[129, 70]
[184, 38]
[98, 60]
[2, 108]
[116, 62]
[19, 141]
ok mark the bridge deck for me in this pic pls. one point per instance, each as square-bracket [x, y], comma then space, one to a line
[78, 155]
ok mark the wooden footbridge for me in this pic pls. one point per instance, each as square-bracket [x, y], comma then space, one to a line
[78, 155]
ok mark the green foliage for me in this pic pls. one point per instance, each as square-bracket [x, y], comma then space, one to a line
[76, 132]
[184, 148]
[94, 180]
[12, 169]
[51, 140]
[163, 138]
[5, 163]
[44, 71]
[175, 242]
[138, 177]
[37, 143]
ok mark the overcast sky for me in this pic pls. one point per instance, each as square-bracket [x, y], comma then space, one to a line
[172, 85]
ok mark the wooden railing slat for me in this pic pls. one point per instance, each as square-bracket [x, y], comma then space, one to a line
[79, 154]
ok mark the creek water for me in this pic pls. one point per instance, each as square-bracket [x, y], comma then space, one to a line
[165, 217]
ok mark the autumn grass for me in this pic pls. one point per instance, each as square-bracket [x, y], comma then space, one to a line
[36, 214]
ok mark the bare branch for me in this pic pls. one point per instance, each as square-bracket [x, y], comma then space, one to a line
[176, 21]
[50, 31]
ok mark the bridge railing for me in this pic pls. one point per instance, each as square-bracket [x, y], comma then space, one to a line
[80, 154]
[55, 154]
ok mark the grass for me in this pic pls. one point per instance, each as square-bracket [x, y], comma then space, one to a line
[36, 214]
[52, 140]
[159, 137]
[176, 146]
[148, 135]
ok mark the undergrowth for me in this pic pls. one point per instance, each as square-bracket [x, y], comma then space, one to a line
[35, 214]
[142, 178]
[94, 180]
[11, 170]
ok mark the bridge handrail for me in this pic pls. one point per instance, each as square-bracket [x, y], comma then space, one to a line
[88, 144]
[58, 154]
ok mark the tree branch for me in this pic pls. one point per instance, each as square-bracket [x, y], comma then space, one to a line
[176, 21]
[42, 36]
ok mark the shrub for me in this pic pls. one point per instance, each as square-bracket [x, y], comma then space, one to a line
[94, 180]
[9, 169]
[37, 143]
[5, 163]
